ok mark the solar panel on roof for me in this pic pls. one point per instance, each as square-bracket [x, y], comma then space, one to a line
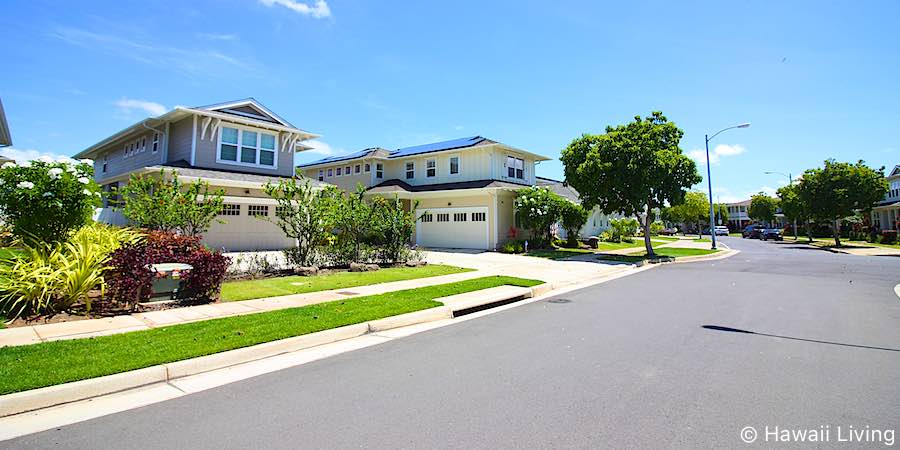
[437, 146]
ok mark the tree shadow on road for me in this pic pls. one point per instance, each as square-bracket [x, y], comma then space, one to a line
[737, 330]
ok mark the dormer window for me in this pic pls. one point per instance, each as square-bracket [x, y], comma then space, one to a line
[410, 170]
[454, 165]
[430, 168]
[515, 167]
[256, 148]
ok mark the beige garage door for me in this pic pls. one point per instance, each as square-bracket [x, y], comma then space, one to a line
[453, 228]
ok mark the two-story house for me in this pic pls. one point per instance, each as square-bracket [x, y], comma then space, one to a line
[464, 187]
[236, 146]
[737, 215]
[886, 214]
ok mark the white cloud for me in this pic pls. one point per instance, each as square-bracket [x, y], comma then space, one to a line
[320, 148]
[715, 156]
[129, 104]
[20, 155]
[146, 50]
[318, 10]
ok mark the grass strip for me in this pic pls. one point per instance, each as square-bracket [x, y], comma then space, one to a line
[663, 251]
[272, 287]
[50, 363]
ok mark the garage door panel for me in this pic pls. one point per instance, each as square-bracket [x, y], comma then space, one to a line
[453, 228]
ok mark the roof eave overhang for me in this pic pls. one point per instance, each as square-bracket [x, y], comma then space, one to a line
[181, 112]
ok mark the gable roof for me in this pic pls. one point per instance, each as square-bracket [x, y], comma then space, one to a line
[453, 144]
[397, 186]
[560, 188]
[896, 170]
[219, 111]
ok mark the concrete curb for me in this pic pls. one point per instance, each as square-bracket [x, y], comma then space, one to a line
[49, 396]
[700, 258]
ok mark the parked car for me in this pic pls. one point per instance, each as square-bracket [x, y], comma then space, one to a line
[771, 233]
[752, 231]
[721, 230]
[668, 231]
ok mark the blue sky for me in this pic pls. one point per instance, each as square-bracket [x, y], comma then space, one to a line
[816, 79]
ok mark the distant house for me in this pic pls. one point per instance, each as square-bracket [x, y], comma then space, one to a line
[597, 221]
[886, 214]
[737, 214]
[464, 187]
[236, 146]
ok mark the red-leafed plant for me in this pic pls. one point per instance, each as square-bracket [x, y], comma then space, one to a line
[130, 281]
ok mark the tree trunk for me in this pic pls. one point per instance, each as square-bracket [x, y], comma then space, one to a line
[836, 230]
[809, 231]
[647, 243]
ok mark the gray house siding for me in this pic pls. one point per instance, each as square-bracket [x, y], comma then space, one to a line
[180, 140]
[118, 164]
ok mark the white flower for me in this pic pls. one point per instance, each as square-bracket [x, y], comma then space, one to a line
[71, 169]
[87, 192]
[97, 194]
[84, 180]
[25, 185]
[25, 164]
[2, 181]
[47, 194]
[55, 173]
[45, 158]
[7, 165]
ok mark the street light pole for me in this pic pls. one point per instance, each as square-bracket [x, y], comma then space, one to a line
[712, 212]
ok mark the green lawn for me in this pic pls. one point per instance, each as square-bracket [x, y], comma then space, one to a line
[272, 287]
[664, 238]
[664, 251]
[49, 363]
[829, 242]
[558, 253]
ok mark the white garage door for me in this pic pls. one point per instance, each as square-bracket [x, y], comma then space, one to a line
[453, 228]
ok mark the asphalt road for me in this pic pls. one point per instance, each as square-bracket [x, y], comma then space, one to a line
[620, 365]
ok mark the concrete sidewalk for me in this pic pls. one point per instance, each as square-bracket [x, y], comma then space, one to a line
[556, 273]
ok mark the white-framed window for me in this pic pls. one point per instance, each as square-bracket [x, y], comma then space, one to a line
[155, 143]
[459, 217]
[143, 144]
[247, 147]
[454, 165]
[427, 217]
[330, 172]
[321, 175]
[515, 167]
[105, 163]
[347, 170]
[410, 170]
[379, 170]
[368, 168]
[479, 217]
[282, 211]
[430, 168]
[443, 217]
[339, 170]
[357, 169]
[257, 210]
[229, 209]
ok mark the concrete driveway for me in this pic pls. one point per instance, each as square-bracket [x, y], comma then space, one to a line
[556, 272]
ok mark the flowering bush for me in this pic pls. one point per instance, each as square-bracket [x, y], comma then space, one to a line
[131, 281]
[538, 208]
[45, 200]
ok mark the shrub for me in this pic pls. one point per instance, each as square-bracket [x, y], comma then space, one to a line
[537, 208]
[306, 215]
[44, 201]
[514, 246]
[131, 282]
[621, 230]
[393, 228]
[573, 216]
[656, 227]
[163, 203]
[50, 278]
[889, 237]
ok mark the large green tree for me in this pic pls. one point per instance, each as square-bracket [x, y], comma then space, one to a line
[693, 209]
[762, 208]
[631, 169]
[839, 190]
[793, 209]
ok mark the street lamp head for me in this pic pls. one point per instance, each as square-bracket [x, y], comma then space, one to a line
[744, 125]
